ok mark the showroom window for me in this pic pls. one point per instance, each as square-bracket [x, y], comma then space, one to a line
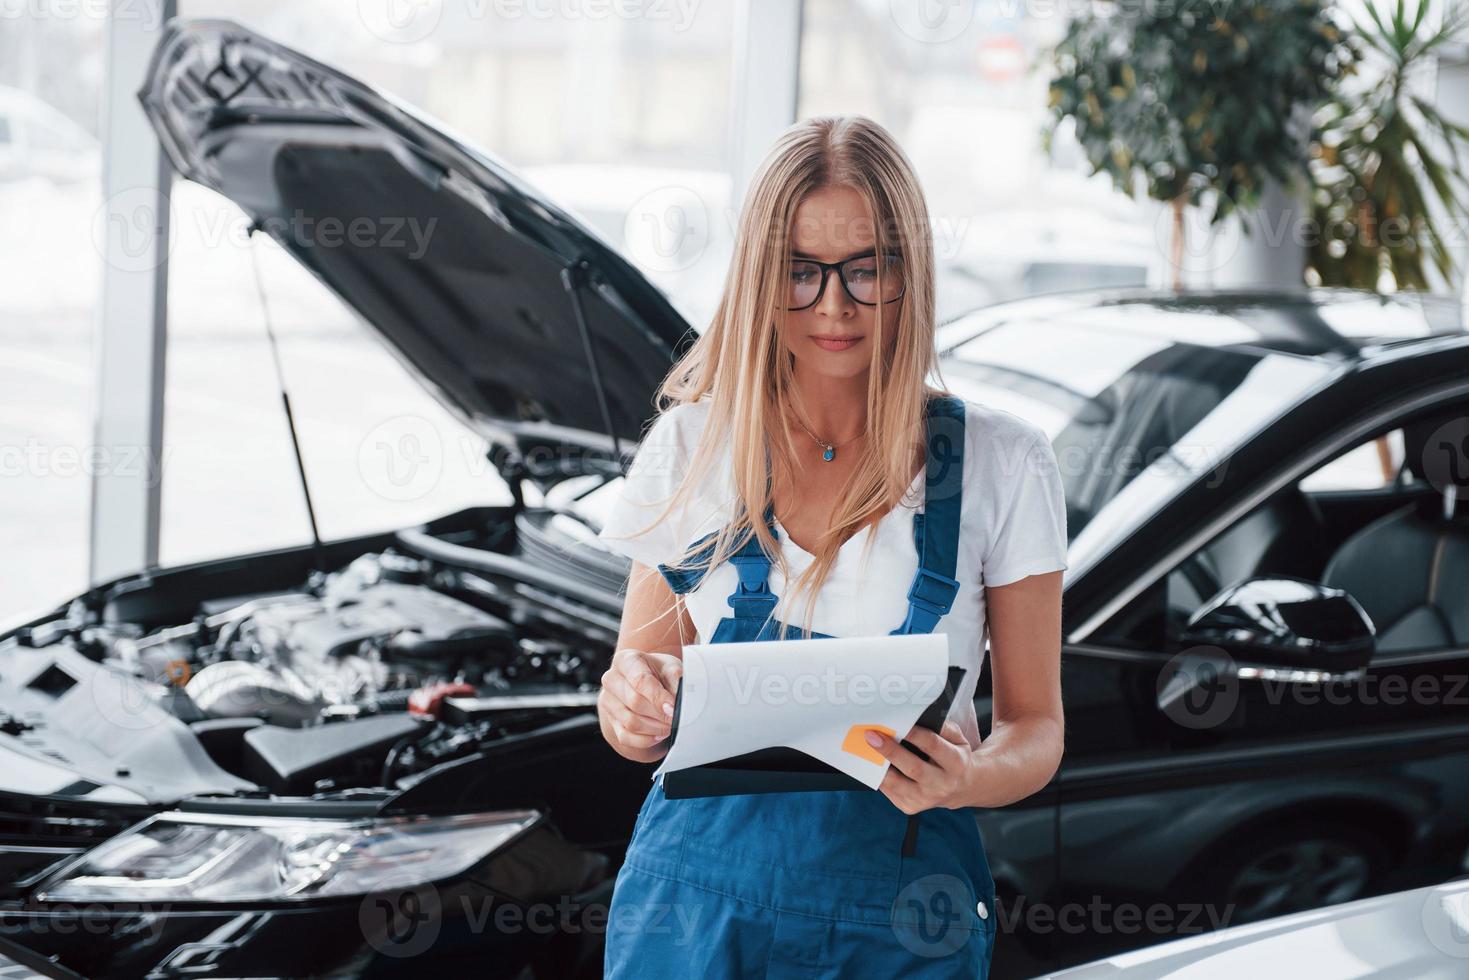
[379, 451]
[623, 120]
[600, 113]
[51, 67]
[958, 86]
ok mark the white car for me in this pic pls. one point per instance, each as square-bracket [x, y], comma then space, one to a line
[1422, 934]
[36, 140]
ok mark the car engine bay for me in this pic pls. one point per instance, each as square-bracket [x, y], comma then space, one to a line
[362, 680]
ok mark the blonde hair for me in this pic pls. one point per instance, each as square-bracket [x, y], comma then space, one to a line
[741, 365]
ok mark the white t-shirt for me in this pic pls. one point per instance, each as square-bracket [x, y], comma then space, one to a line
[1013, 524]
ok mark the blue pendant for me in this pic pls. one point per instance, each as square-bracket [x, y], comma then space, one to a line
[829, 454]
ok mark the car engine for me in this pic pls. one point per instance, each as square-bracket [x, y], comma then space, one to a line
[361, 678]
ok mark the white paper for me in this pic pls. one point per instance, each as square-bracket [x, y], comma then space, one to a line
[806, 695]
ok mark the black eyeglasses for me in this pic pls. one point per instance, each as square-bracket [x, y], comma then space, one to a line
[860, 275]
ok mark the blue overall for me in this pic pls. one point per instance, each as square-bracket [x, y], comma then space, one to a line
[832, 883]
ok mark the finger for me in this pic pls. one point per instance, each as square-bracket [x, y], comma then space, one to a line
[941, 751]
[892, 750]
[638, 724]
[632, 739]
[950, 732]
[630, 701]
[646, 693]
[901, 791]
[670, 672]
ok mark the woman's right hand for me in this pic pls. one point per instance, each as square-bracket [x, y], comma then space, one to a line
[636, 702]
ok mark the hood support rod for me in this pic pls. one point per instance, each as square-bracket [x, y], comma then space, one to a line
[280, 378]
[576, 278]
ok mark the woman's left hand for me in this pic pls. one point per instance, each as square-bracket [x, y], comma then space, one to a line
[944, 780]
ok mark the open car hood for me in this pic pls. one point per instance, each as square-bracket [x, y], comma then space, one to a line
[482, 305]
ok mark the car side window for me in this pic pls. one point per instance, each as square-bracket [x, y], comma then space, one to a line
[1297, 533]
[1369, 466]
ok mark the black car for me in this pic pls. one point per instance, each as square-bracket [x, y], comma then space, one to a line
[1266, 615]
[380, 756]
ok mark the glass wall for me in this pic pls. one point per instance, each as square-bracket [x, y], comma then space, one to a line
[600, 111]
[963, 87]
[51, 63]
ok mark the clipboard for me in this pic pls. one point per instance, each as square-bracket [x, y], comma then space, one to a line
[785, 770]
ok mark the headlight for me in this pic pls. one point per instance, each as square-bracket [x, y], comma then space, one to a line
[186, 857]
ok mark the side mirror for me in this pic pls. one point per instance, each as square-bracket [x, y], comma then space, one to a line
[1277, 623]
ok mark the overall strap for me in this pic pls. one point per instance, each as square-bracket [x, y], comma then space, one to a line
[751, 598]
[682, 580]
[936, 530]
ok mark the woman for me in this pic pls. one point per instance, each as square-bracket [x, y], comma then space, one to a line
[797, 429]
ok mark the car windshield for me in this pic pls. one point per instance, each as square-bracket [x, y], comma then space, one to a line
[1133, 413]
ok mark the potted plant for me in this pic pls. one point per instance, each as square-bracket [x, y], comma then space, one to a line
[1200, 106]
[1383, 157]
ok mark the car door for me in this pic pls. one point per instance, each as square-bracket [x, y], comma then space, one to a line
[1257, 793]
